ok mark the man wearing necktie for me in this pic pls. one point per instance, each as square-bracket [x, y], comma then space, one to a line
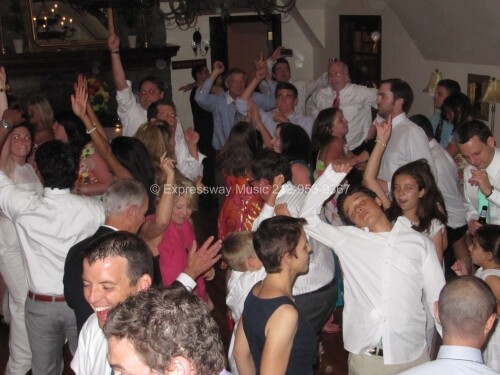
[482, 175]
[355, 101]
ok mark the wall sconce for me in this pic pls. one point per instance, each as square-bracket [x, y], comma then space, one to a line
[375, 37]
[197, 44]
[492, 96]
[436, 76]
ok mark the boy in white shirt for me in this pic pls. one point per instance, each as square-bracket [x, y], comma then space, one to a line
[245, 270]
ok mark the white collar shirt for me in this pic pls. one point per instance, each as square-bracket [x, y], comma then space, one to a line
[356, 102]
[91, 356]
[130, 112]
[48, 226]
[321, 263]
[454, 360]
[384, 277]
[470, 191]
[448, 184]
[408, 143]
[186, 163]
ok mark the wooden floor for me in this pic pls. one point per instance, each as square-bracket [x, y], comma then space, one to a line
[332, 361]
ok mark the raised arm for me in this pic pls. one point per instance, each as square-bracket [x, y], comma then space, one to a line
[202, 96]
[3, 91]
[371, 171]
[116, 61]
[153, 228]
[79, 106]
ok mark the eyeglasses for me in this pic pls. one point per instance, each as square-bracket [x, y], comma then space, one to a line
[337, 74]
[150, 92]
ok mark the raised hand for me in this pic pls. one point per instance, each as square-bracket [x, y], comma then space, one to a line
[167, 166]
[201, 260]
[460, 268]
[79, 100]
[282, 210]
[191, 136]
[277, 54]
[342, 167]
[218, 68]
[113, 41]
[261, 70]
[384, 130]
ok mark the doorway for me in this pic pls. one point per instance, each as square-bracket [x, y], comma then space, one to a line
[239, 42]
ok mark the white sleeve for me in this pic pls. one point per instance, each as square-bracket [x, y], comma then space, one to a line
[321, 191]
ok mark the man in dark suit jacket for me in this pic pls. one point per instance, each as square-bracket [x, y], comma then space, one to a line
[125, 203]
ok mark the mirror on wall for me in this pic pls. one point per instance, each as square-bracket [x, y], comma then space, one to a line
[59, 25]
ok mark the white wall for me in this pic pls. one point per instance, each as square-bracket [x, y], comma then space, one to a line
[318, 40]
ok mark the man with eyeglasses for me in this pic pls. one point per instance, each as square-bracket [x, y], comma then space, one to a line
[355, 101]
[132, 113]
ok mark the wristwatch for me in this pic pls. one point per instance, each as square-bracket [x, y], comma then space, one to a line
[5, 124]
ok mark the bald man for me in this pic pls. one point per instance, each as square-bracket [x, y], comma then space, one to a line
[467, 311]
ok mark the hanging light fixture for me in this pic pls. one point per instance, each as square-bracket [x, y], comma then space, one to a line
[436, 76]
[492, 96]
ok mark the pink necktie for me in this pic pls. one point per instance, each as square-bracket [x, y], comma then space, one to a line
[336, 101]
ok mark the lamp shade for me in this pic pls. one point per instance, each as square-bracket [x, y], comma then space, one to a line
[492, 94]
[436, 76]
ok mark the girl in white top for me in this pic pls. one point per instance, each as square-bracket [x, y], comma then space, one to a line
[414, 190]
[485, 253]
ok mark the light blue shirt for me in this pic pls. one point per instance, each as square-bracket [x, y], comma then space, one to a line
[446, 133]
[224, 110]
[454, 360]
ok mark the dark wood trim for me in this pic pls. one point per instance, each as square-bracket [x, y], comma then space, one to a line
[82, 60]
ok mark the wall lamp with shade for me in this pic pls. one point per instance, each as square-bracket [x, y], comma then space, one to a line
[492, 96]
[198, 45]
[436, 76]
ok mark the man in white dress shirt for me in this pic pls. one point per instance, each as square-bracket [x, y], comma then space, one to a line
[115, 266]
[467, 312]
[47, 226]
[482, 175]
[316, 291]
[280, 72]
[408, 142]
[355, 101]
[386, 266]
[164, 331]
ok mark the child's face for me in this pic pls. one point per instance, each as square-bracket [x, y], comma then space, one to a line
[477, 254]
[181, 211]
[406, 192]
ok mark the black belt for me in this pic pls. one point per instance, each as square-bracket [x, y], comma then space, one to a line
[376, 351]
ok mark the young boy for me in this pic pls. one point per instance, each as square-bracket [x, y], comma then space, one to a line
[245, 270]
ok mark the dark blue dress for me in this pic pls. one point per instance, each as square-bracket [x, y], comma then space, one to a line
[257, 312]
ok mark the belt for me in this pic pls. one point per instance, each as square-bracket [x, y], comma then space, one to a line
[376, 351]
[45, 298]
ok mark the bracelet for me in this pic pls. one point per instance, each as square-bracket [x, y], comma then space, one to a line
[91, 130]
[492, 188]
[379, 141]
[117, 51]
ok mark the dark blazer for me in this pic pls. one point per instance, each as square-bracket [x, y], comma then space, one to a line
[73, 285]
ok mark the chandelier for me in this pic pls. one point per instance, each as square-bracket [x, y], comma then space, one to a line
[51, 24]
[183, 13]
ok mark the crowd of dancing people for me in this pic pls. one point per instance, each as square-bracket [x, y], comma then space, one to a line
[332, 196]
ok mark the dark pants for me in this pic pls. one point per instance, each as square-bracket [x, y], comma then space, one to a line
[319, 305]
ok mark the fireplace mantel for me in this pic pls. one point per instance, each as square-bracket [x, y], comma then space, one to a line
[83, 60]
[51, 73]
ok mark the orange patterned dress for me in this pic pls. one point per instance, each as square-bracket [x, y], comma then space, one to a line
[241, 206]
